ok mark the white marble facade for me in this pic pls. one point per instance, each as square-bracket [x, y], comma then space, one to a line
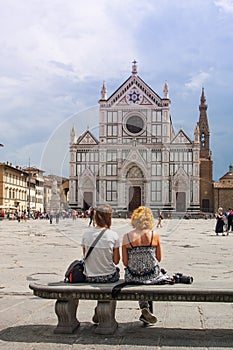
[138, 158]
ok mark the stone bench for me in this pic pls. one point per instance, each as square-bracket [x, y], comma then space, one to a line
[68, 295]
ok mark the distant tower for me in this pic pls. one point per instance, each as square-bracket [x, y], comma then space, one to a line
[204, 128]
[206, 163]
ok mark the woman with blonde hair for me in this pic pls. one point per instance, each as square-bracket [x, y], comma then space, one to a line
[220, 217]
[141, 254]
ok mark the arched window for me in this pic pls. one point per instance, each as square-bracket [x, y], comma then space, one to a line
[134, 172]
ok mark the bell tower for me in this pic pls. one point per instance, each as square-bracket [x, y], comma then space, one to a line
[204, 128]
[206, 163]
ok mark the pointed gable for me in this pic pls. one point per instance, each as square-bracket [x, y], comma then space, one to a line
[181, 138]
[136, 156]
[134, 159]
[180, 180]
[134, 91]
[87, 139]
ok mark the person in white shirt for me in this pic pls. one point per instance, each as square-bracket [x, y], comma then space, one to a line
[100, 267]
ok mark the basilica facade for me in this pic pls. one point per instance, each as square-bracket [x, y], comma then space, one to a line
[138, 158]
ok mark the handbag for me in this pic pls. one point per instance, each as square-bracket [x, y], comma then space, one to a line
[75, 271]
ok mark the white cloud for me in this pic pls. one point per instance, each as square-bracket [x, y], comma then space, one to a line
[71, 34]
[55, 54]
[225, 5]
[196, 82]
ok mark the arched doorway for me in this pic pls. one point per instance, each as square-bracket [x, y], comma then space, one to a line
[87, 200]
[181, 188]
[180, 201]
[136, 188]
[135, 197]
[86, 191]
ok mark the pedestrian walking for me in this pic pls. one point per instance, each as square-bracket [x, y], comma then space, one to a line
[91, 216]
[229, 216]
[160, 218]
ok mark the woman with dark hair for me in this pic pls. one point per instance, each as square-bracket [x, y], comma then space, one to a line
[229, 221]
[100, 267]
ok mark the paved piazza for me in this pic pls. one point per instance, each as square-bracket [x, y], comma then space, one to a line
[35, 250]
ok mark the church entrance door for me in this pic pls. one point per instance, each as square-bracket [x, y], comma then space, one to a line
[87, 200]
[134, 197]
[180, 202]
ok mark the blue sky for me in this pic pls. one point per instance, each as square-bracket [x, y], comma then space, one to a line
[55, 55]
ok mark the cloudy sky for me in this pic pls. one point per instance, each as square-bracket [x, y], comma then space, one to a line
[55, 55]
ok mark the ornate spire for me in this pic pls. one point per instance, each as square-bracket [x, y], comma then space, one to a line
[196, 133]
[203, 99]
[72, 135]
[104, 92]
[165, 90]
[134, 68]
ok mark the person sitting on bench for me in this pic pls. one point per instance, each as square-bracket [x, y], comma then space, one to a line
[141, 254]
[100, 267]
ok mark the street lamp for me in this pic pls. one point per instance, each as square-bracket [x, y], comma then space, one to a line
[1, 145]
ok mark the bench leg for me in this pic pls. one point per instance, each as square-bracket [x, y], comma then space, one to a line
[106, 317]
[66, 314]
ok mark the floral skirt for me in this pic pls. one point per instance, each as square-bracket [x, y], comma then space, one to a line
[146, 277]
[113, 277]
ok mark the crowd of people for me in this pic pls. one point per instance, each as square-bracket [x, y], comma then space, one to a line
[35, 215]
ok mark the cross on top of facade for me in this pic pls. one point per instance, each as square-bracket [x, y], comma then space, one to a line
[134, 67]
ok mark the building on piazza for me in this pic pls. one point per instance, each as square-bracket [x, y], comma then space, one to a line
[138, 158]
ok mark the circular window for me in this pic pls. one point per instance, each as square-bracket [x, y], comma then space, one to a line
[134, 124]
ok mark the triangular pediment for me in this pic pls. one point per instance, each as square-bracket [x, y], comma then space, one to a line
[180, 174]
[180, 180]
[134, 92]
[87, 179]
[181, 138]
[87, 139]
[87, 172]
[134, 157]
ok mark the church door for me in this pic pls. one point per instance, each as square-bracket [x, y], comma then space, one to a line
[135, 197]
[205, 205]
[180, 202]
[87, 200]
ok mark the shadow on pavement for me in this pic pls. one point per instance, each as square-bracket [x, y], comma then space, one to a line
[127, 334]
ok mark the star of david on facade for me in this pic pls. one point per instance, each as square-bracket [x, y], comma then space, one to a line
[134, 97]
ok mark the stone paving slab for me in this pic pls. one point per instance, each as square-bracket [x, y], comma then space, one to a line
[38, 251]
